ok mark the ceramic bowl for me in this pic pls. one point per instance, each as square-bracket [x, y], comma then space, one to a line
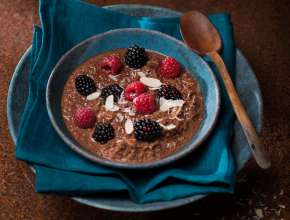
[123, 38]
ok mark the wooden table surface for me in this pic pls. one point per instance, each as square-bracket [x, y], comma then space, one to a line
[262, 31]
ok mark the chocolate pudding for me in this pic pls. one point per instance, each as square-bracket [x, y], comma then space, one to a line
[161, 91]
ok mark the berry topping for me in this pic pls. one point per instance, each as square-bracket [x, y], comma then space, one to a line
[111, 64]
[145, 103]
[134, 89]
[84, 117]
[169, 68]
[136, 56]
[103, 133]
[169, 92]
[85, 85]
[113, 89]
[147, 130]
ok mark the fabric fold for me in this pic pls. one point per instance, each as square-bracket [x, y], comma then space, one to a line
[65, 23]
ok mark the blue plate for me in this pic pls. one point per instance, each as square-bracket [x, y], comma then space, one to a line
[124, 38]
[246, 83]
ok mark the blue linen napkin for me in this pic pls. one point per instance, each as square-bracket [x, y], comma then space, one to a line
[211, 169]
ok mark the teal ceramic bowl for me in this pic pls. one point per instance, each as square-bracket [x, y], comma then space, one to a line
[123, 38]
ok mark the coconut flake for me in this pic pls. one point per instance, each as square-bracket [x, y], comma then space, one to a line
[167, 127]
[129, 126]
[94, 95]
[151, 82]
[109, 104]
[166, 104]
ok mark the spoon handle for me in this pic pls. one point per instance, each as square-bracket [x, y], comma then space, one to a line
[253, 139]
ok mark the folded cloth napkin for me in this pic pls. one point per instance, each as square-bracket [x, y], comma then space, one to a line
[64, 23]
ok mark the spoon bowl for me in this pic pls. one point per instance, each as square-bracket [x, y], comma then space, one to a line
[202, 36]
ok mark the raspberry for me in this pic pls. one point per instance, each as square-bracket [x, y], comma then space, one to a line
[84, 117]
[113, 89]
[145, 103]
[103, 133]
[147, 130]
[136, 56]
[169, 92]
[112, 64]
[85, 85]
[134, 89]
[169, 68]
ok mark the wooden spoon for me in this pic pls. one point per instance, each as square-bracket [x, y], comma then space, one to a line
[202, 37]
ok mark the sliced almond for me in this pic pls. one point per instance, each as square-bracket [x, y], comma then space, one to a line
[120, 117]
[166, 104]
[170, 127]
[141, 74]
[162, 101]
[129, 126]
[122, 99]
[151, 82]
[167, 127]
[113, 77]
[131, 112]
[152, 88]
[126, 109]
[94, 95]
[115, 108]
[109, 104]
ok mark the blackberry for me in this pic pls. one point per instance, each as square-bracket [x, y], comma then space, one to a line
[136, 56]
[103, 133]
[85, 85]
[113, 89]
[147, 130]
[169, 92]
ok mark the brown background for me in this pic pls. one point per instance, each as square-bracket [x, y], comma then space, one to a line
[262, 30]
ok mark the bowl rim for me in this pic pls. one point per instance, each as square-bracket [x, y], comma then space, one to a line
[113, 164]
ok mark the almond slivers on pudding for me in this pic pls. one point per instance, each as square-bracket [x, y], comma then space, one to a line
[132, 105]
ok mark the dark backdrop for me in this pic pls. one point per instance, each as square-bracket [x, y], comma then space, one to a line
[262, 31]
